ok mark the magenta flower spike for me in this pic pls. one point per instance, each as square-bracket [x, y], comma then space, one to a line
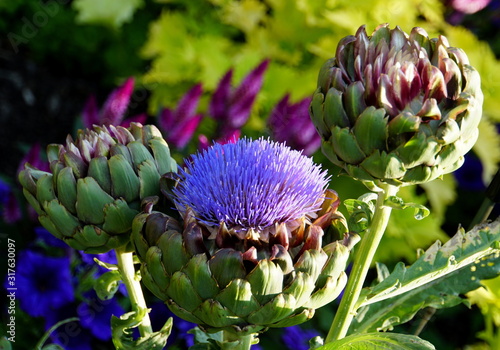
[204, 142]
[290, 123]
[178, 125]
[113, 110]
[232, 106]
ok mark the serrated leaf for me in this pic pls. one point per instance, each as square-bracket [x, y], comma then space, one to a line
[360, 214]
[379, 341]
[395, 202]
[436, 279]
[107, 284]
[121, 328]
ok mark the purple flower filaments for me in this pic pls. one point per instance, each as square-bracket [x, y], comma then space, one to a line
[251, 184]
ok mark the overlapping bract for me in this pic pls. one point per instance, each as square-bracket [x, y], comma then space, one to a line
[242, 284]
[397, 108]
[96, 184]
[248, 253]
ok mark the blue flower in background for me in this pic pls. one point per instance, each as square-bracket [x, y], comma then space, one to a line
[297, 338]
[250, 184]
[43, 283]
[95, 315]
[71, 335]
[48, 238]
[469, 175]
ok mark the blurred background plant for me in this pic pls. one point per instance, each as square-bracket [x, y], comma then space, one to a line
[216, 70]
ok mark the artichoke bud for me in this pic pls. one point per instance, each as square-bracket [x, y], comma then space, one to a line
[242, 261]
[96, 184]
[383, 97]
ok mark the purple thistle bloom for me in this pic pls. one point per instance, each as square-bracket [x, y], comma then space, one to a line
[297, 338]
[43, 283]
[232, 106]
[178, 125]
[291, 123]
[113, 110]
[250, 184]
[95, 315]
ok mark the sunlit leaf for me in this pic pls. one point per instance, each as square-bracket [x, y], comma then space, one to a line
[113, 13]
[436, 279]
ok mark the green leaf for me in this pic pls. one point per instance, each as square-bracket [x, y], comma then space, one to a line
[360, 213]
[379, 341]
[107, 284]
[112, 13]
[398, 203]
[121, 330]
[436, 279]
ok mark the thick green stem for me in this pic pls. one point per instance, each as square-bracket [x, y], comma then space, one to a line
[244, 342]
[129, 278]
[361, 265]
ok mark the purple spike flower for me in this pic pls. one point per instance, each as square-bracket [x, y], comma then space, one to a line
[250, 185]
[232, 106]
[113, 110]
[291, 123]
[178, 125]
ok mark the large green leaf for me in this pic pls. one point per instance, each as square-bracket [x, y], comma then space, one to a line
[436, 279]
[379, 341]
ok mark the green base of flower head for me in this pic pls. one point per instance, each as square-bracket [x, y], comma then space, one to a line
[223, 291]
[396, 108]
[97, 183]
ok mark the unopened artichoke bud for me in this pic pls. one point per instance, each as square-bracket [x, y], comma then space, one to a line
[397, 108]
[96, 184]
[247, 253]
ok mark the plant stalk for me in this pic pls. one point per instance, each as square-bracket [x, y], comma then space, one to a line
[361, 265]
[243, 342]
[129, 278]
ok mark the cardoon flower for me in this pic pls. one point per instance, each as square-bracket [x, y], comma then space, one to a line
[178, 125]
[290, 123]
[230, 106]
[96, 184]
[113, 110]
[43, 283]
[248, 254]
[397, 108]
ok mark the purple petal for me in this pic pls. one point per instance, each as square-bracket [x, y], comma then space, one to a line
[203, 142]
[115, 106]
[188, 104]
[181, 135]
[34, 158]
[220, 98]
[243, 97]
[166, 120]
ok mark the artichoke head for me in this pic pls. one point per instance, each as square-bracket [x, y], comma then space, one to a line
[241, 281]
[397, 108]
[96, 184]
